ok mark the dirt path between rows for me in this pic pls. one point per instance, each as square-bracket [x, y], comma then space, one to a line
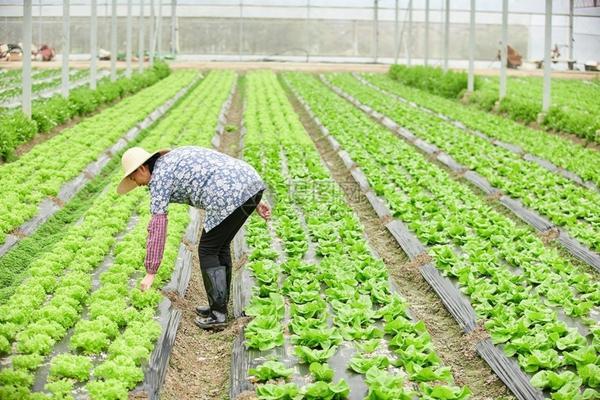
[449, 341]
[199, 366]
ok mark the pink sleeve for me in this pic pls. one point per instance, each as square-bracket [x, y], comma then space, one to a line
[155, 246]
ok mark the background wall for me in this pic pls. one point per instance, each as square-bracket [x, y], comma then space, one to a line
[327, 30]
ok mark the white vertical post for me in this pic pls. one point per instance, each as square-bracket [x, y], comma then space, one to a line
[241, 30]
[66, 42]
[113, 42]
[129, 45]
[503, 49]
[141, 38]
[396, 33]
[426, 61]
[307, 31]
[27, 22]
[571, 30]
[471, 79]
[94, 44]
[159, 30]
[151, 37]
[547, 46]
[410, 37]
[173, 27]
[40, 13]
[375, 30]
[446, 34]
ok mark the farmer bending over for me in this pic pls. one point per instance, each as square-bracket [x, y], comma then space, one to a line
[228, 190]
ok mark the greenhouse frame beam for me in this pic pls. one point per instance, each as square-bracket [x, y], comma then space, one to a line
[93, 44]
[26, 73]
[66, 44]
[151, 37]
[503, 49]
[571, 7]
[159, 30]
[174, 27]
[410, 38]
[446, 34]
[141, 38]
[128, 46]
[241, 30]
[307, 31]
[396, 32]
[471, 78]
[113, 42]
[547, 47]
[375, 30]
[426, 61]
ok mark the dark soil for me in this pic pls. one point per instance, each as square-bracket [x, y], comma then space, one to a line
[449, 341]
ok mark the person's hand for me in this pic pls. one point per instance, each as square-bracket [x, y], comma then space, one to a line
[147, 282]
[264, 210]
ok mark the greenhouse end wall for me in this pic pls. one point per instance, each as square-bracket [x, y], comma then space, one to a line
[277, 37]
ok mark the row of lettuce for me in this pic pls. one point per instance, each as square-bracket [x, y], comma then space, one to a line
[574, 103]
[43, 170]
[520, 288]
[16, 128]
[560, 151]
[40, 83]
[397, 359]
[14, 77]
[564, 202]
[79, 318]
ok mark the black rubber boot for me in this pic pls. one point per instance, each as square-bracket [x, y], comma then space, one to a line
[217, 292]
[204, 311]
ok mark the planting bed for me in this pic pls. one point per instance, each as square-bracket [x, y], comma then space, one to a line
[418, 249]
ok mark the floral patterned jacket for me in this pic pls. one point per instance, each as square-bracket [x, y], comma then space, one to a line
[202, 178]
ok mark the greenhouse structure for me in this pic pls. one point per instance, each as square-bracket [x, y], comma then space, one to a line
[359, 199]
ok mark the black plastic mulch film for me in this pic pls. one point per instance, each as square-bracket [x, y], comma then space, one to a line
[457, 304]
[49, 207]
[169, 316]
[243, 359]
[573, 246]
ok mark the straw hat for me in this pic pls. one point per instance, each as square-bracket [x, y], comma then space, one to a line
[132, 159]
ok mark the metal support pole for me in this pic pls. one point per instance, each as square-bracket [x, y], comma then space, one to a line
[446, 34]
[27, 22]
[94, 44]
[159, 30]
[40, 14]
[113, 42]
[375, 30]
[503, 49]
[141, 39]
[65, 49]
[426, 61]
[471, 79]
[129, 46]
[151, 36]
[173, 27]
[571, 31]
[410, 38]
[547, 46]
[307, 31]
[396, 33]
[241, 31]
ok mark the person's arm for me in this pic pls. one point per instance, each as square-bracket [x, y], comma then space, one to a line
[155, 247]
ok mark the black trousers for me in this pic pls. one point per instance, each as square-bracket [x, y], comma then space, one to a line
[215, 245]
